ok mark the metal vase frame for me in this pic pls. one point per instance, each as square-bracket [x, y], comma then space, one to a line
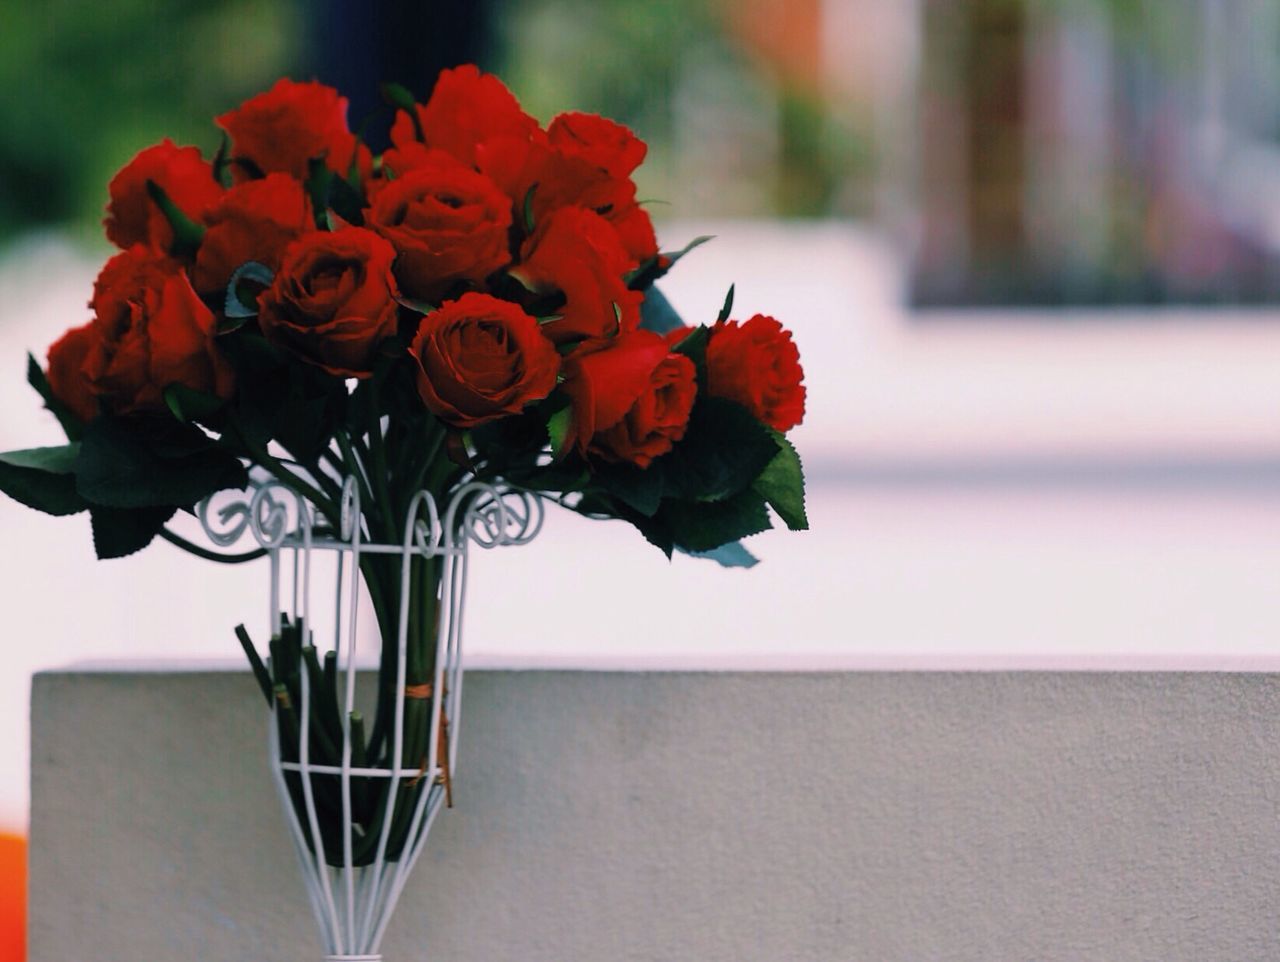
[353, 903]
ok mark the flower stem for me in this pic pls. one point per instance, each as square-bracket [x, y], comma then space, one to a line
[379, 451]
[195, 549]
[291, 480]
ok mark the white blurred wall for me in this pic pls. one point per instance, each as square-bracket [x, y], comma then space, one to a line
[983, 487]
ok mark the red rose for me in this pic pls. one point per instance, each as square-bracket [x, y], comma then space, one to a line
[568, 177]
[150, 330]
[631, 399]
[577, 255]
[601, 142]
[333, 300]
[254, 221]
[66, 375]
[656, 420]
[134, 218]
[466, 108]
[583, 160]
[292, 124]
[758, 365]
[401, 160]
[447, 222]
[480, 358]
[635, 230]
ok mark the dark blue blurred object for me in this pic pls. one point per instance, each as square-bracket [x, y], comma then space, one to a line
[357, 46]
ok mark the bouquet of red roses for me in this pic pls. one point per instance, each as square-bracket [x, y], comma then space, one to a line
[476, 303]
[474, 308]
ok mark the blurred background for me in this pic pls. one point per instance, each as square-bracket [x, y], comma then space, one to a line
[1019, 151]
[1030, 250]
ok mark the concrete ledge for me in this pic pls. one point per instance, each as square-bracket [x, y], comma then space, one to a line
[692, 816]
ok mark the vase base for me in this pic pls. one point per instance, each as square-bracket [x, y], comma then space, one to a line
[353, 958]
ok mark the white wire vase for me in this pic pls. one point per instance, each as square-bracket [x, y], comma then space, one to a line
[358, 803]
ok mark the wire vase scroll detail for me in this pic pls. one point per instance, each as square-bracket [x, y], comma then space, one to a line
[360, 801]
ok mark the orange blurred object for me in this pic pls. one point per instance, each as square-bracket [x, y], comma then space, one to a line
[13, 898]
[787, 37]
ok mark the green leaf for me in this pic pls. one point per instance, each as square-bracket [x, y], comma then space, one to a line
[250, 169]
[656, 531]
[512, 446]
[526, 209]
[398, 96]
[727, 308]
[188, 404]
[249, 272]
[417, 306]
[71, 425]
[222, 162]
[118, 532]
[263, 376]
[558, 430]
[187, 234]
[518, 276]
[694, 346]
[638, 488]
[42, 478]
[331, 192]
[697, 242]
[346, 200]
[55, 460]
[319, 177]
[782, 484]
[722, 453]
[262, 381]
[303, 423]
[131, 464]
[353, 170]
[732, 555]
[401, 98]
[657, 314]
[706, 526]
[655, 267]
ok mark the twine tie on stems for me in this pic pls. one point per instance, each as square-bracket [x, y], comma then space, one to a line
[424, 692]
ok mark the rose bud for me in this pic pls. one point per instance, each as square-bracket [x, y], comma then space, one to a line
[635, 231]
[758, 365]
[447, 222]
[481, 358]
[290, 125]
[466, 108]
[656, 420]
[569, 175]
[150, 330]
[254, 221]
[631, 399]
[577, 255]
[332, 302]
[66, 375]
[602, 142]
[617, 152]
[133, 216]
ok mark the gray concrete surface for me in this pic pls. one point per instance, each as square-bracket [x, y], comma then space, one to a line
[701, 817]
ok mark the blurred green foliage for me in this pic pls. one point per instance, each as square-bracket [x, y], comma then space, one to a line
[87, 85]
[644, 64]
[627, 61]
